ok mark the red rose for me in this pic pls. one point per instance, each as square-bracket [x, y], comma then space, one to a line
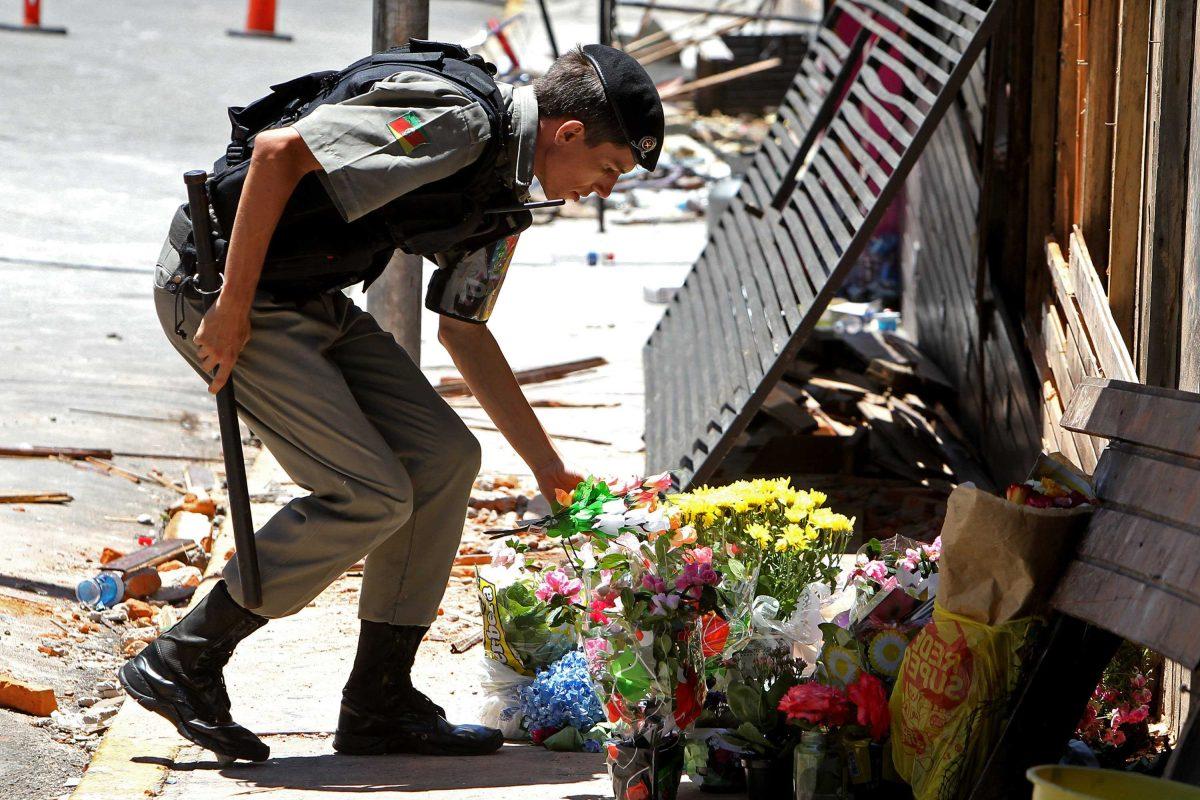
[539, 735]
[688, 703]
[816, 703]
[870, 699]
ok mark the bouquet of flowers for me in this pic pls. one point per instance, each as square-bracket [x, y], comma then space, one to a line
[897, 564]
[1045, 492]
[788, 535]
[561, 709]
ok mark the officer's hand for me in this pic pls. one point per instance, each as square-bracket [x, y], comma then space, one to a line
[557, 476]
[219, 340]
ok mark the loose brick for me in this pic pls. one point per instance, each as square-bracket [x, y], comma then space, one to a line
[28, 697]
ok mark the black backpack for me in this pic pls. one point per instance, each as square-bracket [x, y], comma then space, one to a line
[314, 249]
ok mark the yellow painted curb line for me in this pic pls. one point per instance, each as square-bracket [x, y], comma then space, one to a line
[132, 759]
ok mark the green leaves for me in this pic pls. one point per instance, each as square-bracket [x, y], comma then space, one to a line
[612, 561]
[748, 704]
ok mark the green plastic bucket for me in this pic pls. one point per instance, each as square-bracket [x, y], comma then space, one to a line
[1083, 783]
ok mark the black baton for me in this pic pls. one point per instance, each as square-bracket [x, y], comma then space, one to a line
[209, 283]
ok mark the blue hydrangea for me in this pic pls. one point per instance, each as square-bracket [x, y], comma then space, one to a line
[562, 695]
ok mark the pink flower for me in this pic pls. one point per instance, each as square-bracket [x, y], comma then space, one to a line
[1139, 714]
[659, 483]
[911, 560]
[876, 571]
[1115, 737]
[594, 651]
[889, 584]
[1142, 696]
[623, 486]
[597, 608]
[663, 604]
[696, 574]
[653, 583]
[699, 555]
[1138, 681]
[558, 584]
[933, 551]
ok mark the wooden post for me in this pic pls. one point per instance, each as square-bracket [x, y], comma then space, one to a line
[1125, 224]
[395, 297]
[1166, 182]
[1043, 100]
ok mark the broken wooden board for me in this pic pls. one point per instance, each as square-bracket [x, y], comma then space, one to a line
[457, 387]
[35, 497]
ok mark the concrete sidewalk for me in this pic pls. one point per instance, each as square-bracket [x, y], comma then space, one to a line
[285, 682]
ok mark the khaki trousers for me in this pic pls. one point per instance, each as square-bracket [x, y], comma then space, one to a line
[388, 464]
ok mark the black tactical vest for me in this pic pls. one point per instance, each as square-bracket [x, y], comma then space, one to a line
[314, 249]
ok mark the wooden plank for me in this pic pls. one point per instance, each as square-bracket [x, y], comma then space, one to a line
[1129, 607]
[1125, 224]
[1095, 182]
[1160, 484]
[1163, 555]
[1189, 322]
[1184, 764]
[1043, 95]
[1068, 120]
[1111, 354]
[1077, 338]
[1165, 419]
[1166, 193]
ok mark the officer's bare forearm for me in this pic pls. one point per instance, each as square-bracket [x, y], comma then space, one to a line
[280, 160]
[485, 369]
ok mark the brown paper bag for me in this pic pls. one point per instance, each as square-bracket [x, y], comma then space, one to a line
[1000, 561]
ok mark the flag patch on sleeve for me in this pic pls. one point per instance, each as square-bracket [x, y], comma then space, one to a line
[407, 130]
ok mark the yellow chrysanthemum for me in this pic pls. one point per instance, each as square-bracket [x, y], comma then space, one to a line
[781, 544]
[759, 533]
[794, 536]
[818, 498]
[828, 520]
[811, 533]
[796, 514]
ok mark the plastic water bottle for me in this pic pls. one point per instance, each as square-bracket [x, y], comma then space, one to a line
[103, 591]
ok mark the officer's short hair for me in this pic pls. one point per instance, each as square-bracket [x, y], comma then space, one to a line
[571, 89]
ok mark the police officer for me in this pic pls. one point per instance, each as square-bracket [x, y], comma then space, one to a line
[416, 148]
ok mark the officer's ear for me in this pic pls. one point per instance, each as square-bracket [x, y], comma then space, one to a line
[568, 132]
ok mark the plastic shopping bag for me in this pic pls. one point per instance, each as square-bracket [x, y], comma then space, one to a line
[951, 699]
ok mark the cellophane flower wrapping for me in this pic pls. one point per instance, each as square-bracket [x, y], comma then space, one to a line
[522, 634]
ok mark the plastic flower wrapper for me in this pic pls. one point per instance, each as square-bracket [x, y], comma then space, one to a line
[528, 617]
[560, 706]
[896, 565]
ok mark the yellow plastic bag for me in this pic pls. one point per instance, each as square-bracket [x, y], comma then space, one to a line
[950, 701]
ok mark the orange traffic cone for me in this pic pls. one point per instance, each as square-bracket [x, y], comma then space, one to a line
[260, 22]
[32, 22]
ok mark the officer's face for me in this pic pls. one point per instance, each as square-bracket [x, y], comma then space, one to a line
[572, 169]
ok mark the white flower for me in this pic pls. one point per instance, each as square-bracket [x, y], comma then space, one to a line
[614, 506]
[587, 556]
[609, 524]
[629, 541]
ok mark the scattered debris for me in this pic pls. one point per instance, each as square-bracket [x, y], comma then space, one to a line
[457, 387]
[31, 698]
[36, 451]
[35, 497]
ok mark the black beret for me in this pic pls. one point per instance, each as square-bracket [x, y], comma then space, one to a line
[633, 98]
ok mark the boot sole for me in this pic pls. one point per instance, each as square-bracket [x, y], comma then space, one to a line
[354, 745]
[136, 688]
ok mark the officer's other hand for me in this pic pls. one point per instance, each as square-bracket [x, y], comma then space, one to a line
[219, 340]
[557, 476]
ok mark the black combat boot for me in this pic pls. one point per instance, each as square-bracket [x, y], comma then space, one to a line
[383, 713]
[178, 676]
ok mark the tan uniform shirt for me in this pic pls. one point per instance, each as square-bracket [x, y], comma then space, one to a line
[407, 131]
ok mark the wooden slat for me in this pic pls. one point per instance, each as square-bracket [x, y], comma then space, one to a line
[1189, 312]
[1098, 115]
[1128, 138]
[1164, 485]
[913, 31]
[1165, 419]
[1111, 355]
[1068, 121]
[1129, 607]
[895, 40]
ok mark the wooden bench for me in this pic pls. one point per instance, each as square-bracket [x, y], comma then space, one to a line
[1135, 576]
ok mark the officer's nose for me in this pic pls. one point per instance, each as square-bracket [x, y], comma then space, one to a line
[604, 188]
